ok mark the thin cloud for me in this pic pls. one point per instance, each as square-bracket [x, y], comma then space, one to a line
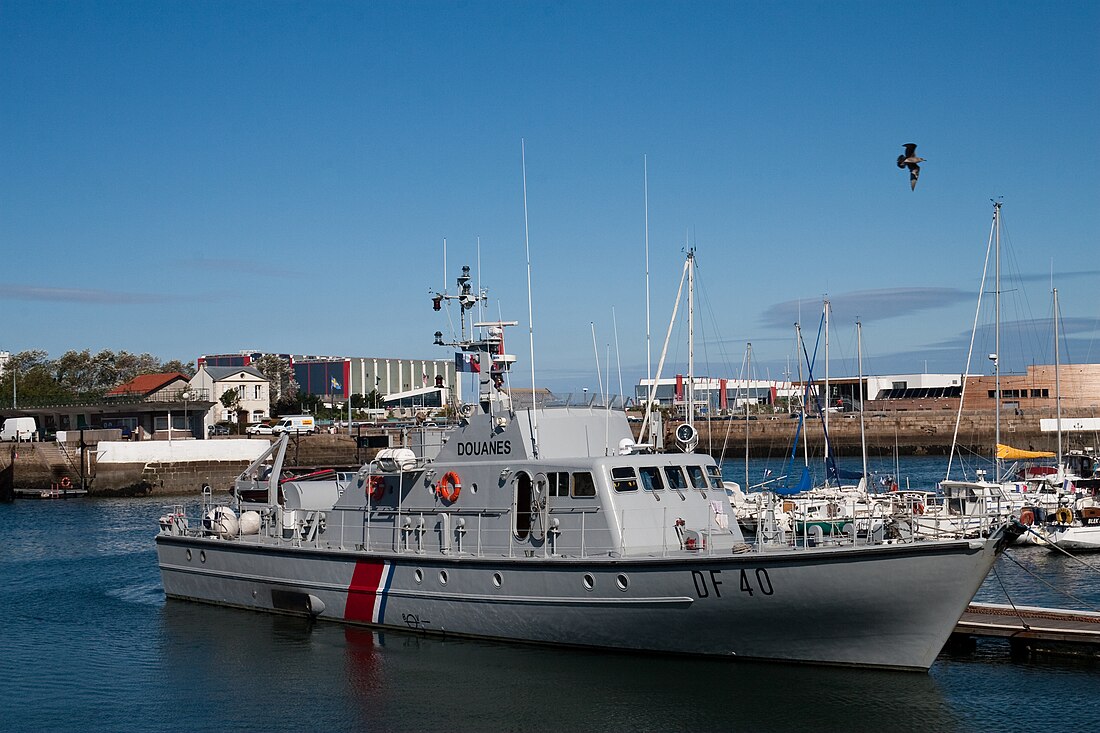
[77, 295]
[869, 305]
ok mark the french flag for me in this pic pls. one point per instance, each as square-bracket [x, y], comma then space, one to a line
[467, 363]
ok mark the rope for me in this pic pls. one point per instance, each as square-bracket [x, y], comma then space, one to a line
[1017, 611]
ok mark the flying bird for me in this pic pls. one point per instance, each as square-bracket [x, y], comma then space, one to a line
[911, 160]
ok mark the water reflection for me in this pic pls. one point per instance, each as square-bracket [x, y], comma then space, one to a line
[351, 677]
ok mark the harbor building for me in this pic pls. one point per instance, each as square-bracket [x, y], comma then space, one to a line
[252, 390]
[1035, 389]
[336, 378]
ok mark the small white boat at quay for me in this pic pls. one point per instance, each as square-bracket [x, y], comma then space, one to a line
[551, 525]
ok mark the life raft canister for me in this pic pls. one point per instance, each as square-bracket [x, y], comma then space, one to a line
[449, 487]
[376, 486]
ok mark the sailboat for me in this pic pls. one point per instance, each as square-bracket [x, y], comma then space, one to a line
[1075, 522]
[969, 508]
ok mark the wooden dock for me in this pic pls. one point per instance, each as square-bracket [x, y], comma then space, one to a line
[1030, 629]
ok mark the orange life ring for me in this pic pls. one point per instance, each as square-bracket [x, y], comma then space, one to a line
[66, 483]
[376, 486]
[918, 509]
[449, 487]
[1027, 517]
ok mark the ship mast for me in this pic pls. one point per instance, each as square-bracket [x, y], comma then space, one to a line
[997, 339]
[487, 357]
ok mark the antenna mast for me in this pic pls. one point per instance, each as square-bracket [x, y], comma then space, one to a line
[530, 311]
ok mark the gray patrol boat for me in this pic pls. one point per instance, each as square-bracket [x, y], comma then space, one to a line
[551, 525]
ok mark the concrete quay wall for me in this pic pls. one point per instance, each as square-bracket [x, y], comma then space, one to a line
[38, 466]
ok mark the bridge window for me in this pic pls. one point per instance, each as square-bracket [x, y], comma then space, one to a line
[675, 478]
[583, 485]
[559, 483]
[697, 478]
[624, 478]
[715, 474]
[651, 478]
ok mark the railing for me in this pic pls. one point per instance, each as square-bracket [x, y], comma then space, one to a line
[566, 532]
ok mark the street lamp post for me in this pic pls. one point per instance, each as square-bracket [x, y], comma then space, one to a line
[186, 421]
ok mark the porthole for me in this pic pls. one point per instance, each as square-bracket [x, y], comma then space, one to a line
[473, 488]
[497, 580]
[443, 577]
[588, 581]
[202, 555]
[188, 555]
[622, 581]
[418, 575]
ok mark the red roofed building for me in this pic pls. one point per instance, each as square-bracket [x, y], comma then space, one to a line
[148, 386]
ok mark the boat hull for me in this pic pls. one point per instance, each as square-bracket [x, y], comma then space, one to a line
[1074, 538]
[882, 606]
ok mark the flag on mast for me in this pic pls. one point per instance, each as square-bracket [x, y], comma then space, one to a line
[467, 363]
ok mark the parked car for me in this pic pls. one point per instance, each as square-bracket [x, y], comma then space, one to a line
[218, 429]
[260, 429]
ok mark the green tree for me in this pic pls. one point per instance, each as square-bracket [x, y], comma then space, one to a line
[230, 399]
[284, 390]
[29, 379]
[175, 365]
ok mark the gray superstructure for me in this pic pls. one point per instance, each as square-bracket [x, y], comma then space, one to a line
[551, 525]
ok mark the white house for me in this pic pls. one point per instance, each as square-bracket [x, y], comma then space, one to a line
[253, 392]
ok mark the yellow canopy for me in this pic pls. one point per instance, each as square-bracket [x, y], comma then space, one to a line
[1008, 453]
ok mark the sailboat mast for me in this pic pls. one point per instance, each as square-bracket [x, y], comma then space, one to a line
[748, 371]
[691, 338]
[802, 392]
[828, 394]
[1057, 385]
[648, 350]
[997, 337]
[862, 434]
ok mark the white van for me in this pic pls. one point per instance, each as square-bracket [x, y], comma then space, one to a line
[19, 429]
[295, 425]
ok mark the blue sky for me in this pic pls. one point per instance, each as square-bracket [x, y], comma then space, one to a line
[204, 177]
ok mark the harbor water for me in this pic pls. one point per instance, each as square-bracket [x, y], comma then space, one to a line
[89, 642]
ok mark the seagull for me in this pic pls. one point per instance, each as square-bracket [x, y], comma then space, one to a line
[910, 159]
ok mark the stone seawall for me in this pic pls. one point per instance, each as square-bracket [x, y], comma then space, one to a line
[913, 433]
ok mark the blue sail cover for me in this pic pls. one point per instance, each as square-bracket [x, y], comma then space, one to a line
[805, 483]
